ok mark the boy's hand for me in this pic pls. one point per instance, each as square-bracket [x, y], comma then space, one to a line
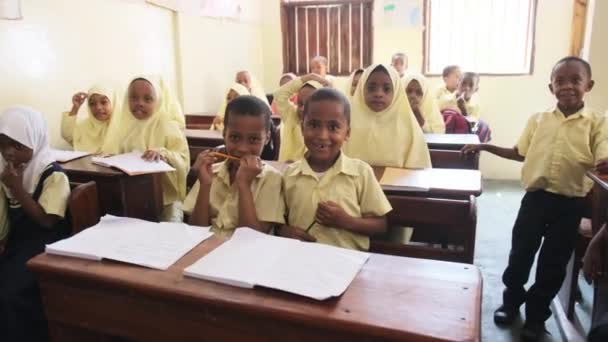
[12, 177]
[249, 167]
[295, 233]
[602, 166]
[203, 167]
[330, 214]
[77, 101]
[152, 155]
[470, 150]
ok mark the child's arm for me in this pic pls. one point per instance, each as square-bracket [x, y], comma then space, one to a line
[250, 166]
[13, 178]
[294, 233]
[68, 119]
[330, 214]
[507, 153]
[203, 166]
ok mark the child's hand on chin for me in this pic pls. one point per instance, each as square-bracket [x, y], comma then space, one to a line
[12, 176]
[249, 167]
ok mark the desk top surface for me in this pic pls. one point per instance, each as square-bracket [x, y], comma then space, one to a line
[85, 165]
[391, 296]
[601, 180]
[451, 139]
[204, 134]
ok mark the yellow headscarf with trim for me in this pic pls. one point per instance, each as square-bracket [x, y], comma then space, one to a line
[391, 137]
[428, 107]
[158, 132]
[241, 91]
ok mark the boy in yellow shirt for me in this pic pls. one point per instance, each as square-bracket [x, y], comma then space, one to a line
[462, 101]
[241, 191]
[557, 147]
[331, 198]
[451, 78]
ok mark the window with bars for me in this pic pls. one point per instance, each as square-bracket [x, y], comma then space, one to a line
[486, 36]
[339, 30]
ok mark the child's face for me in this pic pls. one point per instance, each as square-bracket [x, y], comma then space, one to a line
[451, 81]
[316, 67]
[231, 95]
[324, 129]
[245, 135]
[101, 107]
[142, 99]
[243, 78]
[398, 64]
[379, 91]
[468, 87]
[303, 95]
[15, 152]
[353, 86]
[414, 93]
[569, 84]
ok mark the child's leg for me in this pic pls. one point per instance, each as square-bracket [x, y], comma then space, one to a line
[527, 233]
[559, 242]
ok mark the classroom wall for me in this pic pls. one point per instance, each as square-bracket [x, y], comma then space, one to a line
[63, 46]
[507, 100]
[597, 53]
[212, 50]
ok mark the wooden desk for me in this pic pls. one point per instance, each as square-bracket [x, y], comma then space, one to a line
[450, 141]
[599, 217]
[391, 299]
[204, 138]
[119, 194]
[204, 120]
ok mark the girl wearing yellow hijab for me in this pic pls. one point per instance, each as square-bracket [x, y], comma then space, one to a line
[423, 104]
[292, 142]
[384, 131]
[149, 128]
[91, 134]
[172, 106]
[232, 92]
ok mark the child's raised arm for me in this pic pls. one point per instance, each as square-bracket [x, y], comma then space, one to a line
[507, 153]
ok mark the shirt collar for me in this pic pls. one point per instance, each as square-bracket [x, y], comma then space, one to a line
[343, 164]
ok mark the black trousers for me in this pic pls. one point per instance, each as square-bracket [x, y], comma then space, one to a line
[553, 220]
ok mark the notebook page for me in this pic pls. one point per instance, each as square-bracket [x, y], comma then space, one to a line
[132, 163]
[63, 156]
[240, 260]
[406, 179]
[314, 270]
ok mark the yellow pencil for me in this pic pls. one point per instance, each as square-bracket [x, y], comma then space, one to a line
[223, 155]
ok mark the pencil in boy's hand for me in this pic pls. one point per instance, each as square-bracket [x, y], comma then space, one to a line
[223, 155]
[312, 224]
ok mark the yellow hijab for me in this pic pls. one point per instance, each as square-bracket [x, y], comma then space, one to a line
[90, 134]
[159, 132]
[388, 138]
[172, 105]
[240, 90]
[429, 109]
[349, 85]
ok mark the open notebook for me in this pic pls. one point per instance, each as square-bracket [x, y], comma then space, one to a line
[132, 164]
[406, 179]
[251, 258]
[134, 241]
[63, 156]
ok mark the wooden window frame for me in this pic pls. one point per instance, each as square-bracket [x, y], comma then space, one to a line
[426, 12]
[287, 27]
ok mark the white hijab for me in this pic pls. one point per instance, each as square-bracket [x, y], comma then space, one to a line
[28, 127]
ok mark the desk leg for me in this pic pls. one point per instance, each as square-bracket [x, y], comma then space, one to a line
[142, 196]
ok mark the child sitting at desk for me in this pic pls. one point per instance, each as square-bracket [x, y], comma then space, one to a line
[292, 143]
[423, 104]
[384, 131]
[557, 147]
[241, 191]
[331, 198]
[451, 78]
[147, 126]
[284, 80]
[91, 134]
[235, 90]
[33, 200]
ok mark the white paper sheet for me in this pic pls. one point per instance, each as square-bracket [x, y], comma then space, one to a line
[405, 179]
[63, 156]
[132, 164]
[149, 244]
[252, 258]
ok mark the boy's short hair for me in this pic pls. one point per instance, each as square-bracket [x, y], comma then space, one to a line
[247, 105]
[319, 59]
[328, 94]
[472, 75]
[400, 56]
[573, 59]
[449, 70]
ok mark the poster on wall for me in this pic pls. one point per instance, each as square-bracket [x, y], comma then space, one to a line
[402, 13]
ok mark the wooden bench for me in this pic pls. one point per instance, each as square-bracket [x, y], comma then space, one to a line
[84, 206]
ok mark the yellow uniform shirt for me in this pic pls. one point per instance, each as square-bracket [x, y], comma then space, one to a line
[450, 102]
[349, 182]
[223, 199]
[68, 124]
[292, 142]
[559, 150]
[441, 92]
